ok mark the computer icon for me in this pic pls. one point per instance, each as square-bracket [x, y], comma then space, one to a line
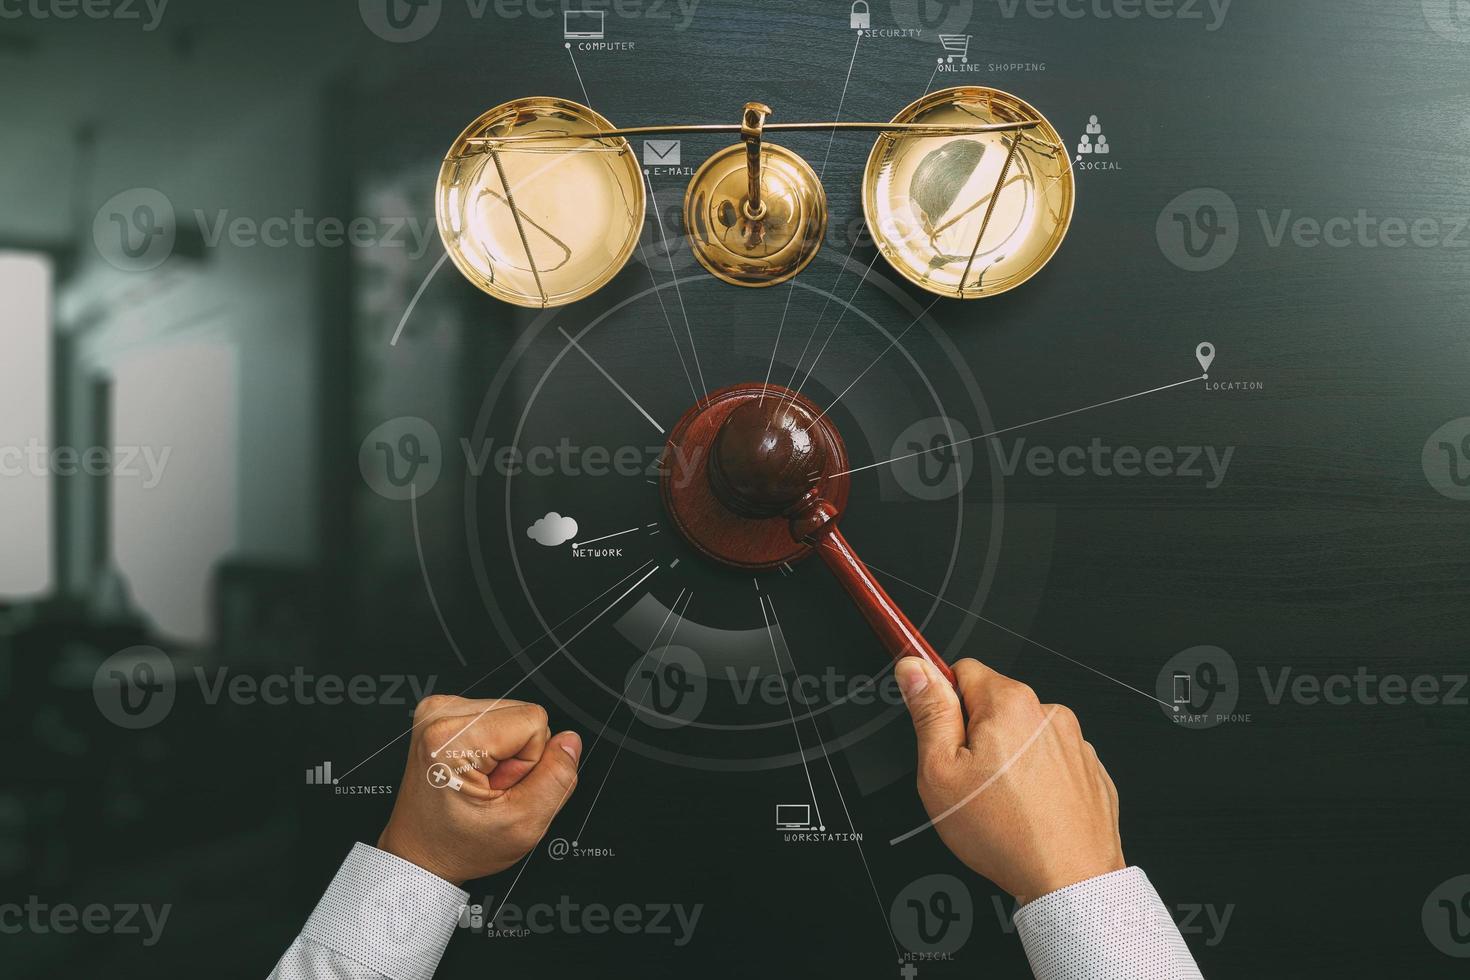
[583, 25]
[793, 816]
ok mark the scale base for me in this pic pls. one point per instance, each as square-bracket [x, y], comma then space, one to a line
[765, 250]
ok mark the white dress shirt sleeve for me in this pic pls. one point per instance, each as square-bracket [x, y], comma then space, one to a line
[1112, 927]
[381, 917]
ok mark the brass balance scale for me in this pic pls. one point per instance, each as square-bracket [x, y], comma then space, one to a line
[968, 193]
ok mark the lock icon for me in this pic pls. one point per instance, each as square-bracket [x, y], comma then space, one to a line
[860, 17]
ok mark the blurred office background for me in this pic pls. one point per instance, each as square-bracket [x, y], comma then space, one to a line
[247, 374]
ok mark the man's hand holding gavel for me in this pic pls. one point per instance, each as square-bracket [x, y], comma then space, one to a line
[1013, 789]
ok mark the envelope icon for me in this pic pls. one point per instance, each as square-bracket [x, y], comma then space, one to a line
[660, 153]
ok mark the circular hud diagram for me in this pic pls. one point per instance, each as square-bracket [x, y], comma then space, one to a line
[583, 517]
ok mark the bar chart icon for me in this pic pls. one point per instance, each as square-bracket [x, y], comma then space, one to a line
[320, 775]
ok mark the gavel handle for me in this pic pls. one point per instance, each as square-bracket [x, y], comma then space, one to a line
[900, 637]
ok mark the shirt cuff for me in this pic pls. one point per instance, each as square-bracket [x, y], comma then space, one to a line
[1112, 927]
[388, 914]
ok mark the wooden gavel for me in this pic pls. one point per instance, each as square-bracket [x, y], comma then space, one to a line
[755, 476]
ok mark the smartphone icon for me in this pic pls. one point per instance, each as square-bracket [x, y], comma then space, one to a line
[1181, 688]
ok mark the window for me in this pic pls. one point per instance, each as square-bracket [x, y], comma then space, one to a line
[27, 457]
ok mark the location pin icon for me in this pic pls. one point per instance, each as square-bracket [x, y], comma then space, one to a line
[1206, 354]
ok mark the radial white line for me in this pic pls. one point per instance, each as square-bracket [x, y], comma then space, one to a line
[1013, 428]
[835, 324]
[610, 380]
[633, 709]
[418, 545]
[800, 752]
[486, 676]
[587, 755]
[585, 97]
[415, 301]
[817, 323]
[891, 344]
[678, 291]
[841, 269]
[1005, 766]
[658, 293]
[932, 74]
[565, 793]
[792, 291]
[1021, 637]
[777, 345]
[1068, 155]
[530, 673]
[840, 796]
[615, 534]
[822, 170]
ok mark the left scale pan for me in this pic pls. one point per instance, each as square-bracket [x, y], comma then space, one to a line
[541, 222]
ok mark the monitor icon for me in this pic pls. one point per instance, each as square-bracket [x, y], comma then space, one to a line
[583, 25]
[793, 816]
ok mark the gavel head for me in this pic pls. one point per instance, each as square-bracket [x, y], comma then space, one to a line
[765, 460]
[745, 466]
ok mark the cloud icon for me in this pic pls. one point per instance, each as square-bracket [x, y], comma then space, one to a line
[552, 530]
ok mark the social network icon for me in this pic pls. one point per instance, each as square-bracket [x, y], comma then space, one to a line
[661, 153]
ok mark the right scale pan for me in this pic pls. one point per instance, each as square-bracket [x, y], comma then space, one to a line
[975, 214]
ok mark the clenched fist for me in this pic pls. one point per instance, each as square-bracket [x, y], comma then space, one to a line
[1013, 789]
[483, 780]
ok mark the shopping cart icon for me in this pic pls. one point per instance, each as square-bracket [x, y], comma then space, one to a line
[956, 46]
